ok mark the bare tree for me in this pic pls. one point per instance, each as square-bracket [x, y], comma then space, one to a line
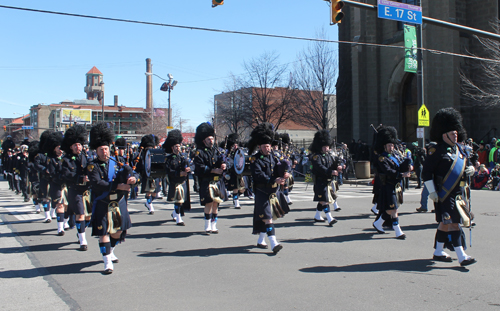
[315, 76]
[233, 107]
[271, 98]
[480, 82]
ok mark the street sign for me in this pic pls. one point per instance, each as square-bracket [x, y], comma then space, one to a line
[398, 11]
[423, 116]
[27, 127]
[170, 127]
[420, 132]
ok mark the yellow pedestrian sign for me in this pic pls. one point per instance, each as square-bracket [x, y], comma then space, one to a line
[423, 116]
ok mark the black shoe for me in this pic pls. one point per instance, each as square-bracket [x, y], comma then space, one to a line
[108, 271]
[263, 246]
[37, 212]
[83, 248]
[421, 210]
[279, 247]
[337, 210]
[418, 187]
[181, 224]
[47, 221]
[467, 262]
[26, 199]
[378, 231]
[433, 211]
[401, 237]
[60, 233]
[151, 213]
[290, 203]
[215, 232]
[331, 223]
[207, 232]
[442, 258]
[319, 220]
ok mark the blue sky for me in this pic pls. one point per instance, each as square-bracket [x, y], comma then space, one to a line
[44, 57]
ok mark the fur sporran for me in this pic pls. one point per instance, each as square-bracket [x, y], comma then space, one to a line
[114, 218]
[215, 193]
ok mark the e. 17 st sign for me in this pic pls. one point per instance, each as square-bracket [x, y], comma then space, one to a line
[398, 11]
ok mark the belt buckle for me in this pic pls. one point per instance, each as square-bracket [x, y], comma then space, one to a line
[216, 178]
[113, 197]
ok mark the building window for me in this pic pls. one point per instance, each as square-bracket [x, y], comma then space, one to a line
[106, 115]
[114, 115]
[131, 116]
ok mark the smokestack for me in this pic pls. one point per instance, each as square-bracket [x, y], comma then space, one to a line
[116, 100]
[149, 85]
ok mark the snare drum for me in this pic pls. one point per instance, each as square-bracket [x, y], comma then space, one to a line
[154, 163]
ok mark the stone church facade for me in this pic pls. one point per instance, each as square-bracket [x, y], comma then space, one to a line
[373, 87]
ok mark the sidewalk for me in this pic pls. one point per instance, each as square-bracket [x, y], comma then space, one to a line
[22, 283]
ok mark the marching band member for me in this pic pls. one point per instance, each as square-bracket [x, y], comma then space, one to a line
[149, 184]
[325, 167]
[54, 154]
[209, 167]
[21, 169]
[391, 169]
[74, 174]
[235, 183]
[110, 182]
[285, 142]
[34, 181]
[266, 179]
[177, 168]
[40, 164]
[445, 172]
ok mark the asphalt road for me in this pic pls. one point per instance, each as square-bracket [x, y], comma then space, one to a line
[165, 267]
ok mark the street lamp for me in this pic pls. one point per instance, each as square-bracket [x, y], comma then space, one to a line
[167, 87]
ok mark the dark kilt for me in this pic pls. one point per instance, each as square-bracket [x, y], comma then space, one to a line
[100, 217]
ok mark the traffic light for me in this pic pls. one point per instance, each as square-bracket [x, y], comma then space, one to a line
[5, 128]
[337, 14]
[217, 2]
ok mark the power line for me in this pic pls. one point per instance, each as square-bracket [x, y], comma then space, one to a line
[243, 32]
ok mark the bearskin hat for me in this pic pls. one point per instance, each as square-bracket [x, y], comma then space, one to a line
[33, 150]
[26, 141]
[285, 138]
[321, 138]
[53, 140]
[174, 137]
[149, 140]
[232, 139]
[203, 131]
[43, 139]
[75, 134]
[446, 120]
[261, 134]
[385, 135]
[121, 143]
[100, 135]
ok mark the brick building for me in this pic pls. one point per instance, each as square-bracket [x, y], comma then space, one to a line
[373, 87]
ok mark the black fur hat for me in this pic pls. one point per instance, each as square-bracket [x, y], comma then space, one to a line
[33, 149]
[43, 139]
[446, 120]
[121, 143]
[203, 131]
[285, 138]
[321, 138]
[174, 137]
[261, 134]
[100, 135]
[75, 134]
[232, 139]
[53, 140]
[149, 140]
[385, 135]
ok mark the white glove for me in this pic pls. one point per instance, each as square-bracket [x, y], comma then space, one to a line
[469, 170]
[432, 190]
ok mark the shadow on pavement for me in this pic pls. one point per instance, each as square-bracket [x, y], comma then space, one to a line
[75, 268]
[205, 252]
[415, 265]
